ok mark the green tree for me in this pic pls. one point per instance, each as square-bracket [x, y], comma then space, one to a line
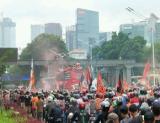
[2, 69]
[7, 55]
[133, 49]
[43, 45]
[147, 56]
[121, 46]
[42, 48]
[157, 51]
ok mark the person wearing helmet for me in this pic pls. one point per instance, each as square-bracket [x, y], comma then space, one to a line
[73, 109]
[83, 114]
[118, 106]
[102, 117]
[54, 113]
[48, 108]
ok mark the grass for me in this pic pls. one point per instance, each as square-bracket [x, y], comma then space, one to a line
[9, 117]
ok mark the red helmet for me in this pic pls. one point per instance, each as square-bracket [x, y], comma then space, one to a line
[82, 106]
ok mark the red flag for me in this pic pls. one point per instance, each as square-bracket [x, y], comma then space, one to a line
[32, 78]
[88, 76]
[144, 80]
[146, 70]
[100, 87]
[120, 82]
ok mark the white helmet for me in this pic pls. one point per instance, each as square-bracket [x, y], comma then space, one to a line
[105, 103]
[50, 98]
[70, 115]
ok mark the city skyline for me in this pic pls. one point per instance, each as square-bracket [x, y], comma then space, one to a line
[7, 33]
[112, 13]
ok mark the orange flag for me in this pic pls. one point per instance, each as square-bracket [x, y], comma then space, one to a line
[144, 80]
[125, 85]
[146, 70]
[100, 87]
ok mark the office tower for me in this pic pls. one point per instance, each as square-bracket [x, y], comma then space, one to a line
[71, 37]
[148, 29]
[133, 30]
[157, 28]
[53, 28]
[87, 29]
[104, 36]
[36, 30]
[7, 33]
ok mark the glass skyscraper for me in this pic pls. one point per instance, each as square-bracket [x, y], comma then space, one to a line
[87, 29]
[71, 37]
[143, 29]
[7, 33]
[53, 28]
[36, 30]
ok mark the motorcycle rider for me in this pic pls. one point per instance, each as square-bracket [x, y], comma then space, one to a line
[102, 117]
[53, 111]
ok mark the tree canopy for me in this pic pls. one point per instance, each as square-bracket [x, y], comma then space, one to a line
[42, 45]
[7, 55]
[121, 46]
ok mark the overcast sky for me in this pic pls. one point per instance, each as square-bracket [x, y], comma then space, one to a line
[112, 13]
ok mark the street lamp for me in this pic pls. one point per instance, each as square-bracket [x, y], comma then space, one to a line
[91, 41]
[131, 10]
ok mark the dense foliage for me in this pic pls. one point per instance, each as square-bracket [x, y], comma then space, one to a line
[121, 47]
[7, 55]
[44, 47]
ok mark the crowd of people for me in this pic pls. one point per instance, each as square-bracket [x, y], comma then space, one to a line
[135, 105]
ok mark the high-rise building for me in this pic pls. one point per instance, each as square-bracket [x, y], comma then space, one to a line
[53, 28]
[7, 33]
[87, 29]
[133, 30]
[157, 38]
[104, 36]
[36, 30]
[71, 37]
[148, 29]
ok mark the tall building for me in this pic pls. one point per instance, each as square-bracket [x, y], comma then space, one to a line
[157, 38]
[7, 33]
[71, 37]
[133, 30]
[87, 29]
[104, 36]
[148, 29]
[53, 28]
[36, 30]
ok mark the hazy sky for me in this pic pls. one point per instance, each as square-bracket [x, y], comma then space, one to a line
[112, 13]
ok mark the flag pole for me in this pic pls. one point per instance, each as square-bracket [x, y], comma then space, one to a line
[31, 76]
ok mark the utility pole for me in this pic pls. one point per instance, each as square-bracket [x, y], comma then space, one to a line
[153, 57]
[91, 42]
[131, 10]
